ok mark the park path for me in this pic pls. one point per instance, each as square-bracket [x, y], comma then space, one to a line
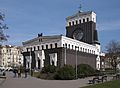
[32, 82]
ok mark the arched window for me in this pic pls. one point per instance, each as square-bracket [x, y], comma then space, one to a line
[76, 22]
[55, 45]
[69, 23]
[72, 22]
[83, 20]
[42, 47]
[51, 46]
[46, 46]
[80, 21]
[87, 19]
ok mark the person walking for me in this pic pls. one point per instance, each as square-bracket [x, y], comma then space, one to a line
[15, 72]
[19, 73]
[26, 71]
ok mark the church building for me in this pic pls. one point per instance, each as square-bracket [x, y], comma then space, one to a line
[79, 46]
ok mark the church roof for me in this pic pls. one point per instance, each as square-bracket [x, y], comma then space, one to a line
[79, 14]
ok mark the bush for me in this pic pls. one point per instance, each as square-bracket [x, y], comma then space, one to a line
[85, 70]
[48, 69]
[65, 73]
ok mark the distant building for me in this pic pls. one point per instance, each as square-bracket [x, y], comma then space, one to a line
[79, 46]
[11, 56]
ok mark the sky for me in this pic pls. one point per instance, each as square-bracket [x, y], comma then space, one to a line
[27, 18]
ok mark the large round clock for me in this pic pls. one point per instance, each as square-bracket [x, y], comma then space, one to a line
[78, 34]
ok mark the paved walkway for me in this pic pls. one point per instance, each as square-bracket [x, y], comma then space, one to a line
[32, 82]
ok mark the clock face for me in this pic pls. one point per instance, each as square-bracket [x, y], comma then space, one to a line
[78, 34]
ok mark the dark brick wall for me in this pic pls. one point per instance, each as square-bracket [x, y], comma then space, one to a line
[82, 58]
[87, 28]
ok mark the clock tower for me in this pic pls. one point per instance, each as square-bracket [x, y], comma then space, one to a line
[82, 26]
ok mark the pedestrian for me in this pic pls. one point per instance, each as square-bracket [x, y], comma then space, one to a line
[15, 72]
[19, 73]
[26, 71]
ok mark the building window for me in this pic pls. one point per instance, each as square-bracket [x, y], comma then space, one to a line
[80, 21]
[55, 45]
[69, 23]
[34, 48]
[73, 23]
[90, 51]
[72, 46]
[42, 47]
[93, 19]
[83, 20]
[51, 46]
[83, 49]
[87, 19]
[76, 22]
[27, 49]
[80, 48]
[75, 47]
[46, 46]
[40, 40]
[66, 45]
[31, 49]
[63, 45]
[38, 47]
[69, 46]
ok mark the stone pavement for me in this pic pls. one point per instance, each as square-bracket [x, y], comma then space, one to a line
[32, 82]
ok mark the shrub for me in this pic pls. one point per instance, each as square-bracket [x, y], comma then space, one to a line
[65, 73]
[48, 69]
[85, 70]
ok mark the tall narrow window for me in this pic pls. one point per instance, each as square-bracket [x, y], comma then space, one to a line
[46, 46]
[69, 46]
[27, 49]
[38, 47]
[72, 46]
[63, 45]
[69, 23]
[83, 20]
[31, 49]
[51, 46]
[73, 23]
[34, 48]
[55, 45]
[42, 47]
[66, 45]
[80, 21]
[87, 19]
[76, 22]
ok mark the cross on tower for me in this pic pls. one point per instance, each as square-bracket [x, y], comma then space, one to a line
[80, 8]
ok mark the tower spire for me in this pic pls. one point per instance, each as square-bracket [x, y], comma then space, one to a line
[80, 8]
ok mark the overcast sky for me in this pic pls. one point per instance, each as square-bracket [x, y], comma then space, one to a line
[27, 18]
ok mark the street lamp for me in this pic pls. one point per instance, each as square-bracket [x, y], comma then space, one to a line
[65, 57]
[76, 62]
[30, 60]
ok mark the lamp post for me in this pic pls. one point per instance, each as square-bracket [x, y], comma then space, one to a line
[30, 61]
[76, 62]
[65, 57]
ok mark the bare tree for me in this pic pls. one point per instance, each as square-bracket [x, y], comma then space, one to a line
[113, 53]
[3, 26]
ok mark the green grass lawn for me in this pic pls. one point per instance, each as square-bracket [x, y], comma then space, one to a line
[110, 84]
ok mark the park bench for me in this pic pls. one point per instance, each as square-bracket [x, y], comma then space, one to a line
[3, 77]
[116, 76]
[94, 80]
[98, 79]
[102, 79]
